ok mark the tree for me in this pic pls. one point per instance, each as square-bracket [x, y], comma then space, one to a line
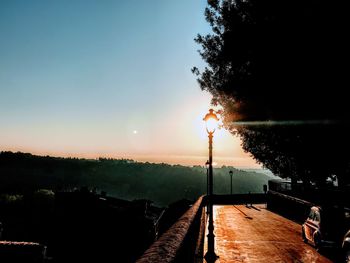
[277, 69]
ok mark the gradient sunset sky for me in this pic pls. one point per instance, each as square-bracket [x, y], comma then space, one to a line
[107, 78]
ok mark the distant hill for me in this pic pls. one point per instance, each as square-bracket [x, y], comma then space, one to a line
[263, 171]
[126, 179]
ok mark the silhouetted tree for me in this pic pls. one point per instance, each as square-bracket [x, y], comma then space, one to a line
[284, 61]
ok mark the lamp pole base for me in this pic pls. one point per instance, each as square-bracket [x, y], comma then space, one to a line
[210, 257]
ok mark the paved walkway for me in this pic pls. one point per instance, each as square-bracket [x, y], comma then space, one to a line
[255, 234]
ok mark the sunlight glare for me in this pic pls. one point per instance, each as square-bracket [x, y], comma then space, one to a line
[211, 125]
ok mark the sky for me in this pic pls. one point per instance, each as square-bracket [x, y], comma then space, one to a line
[90, 79]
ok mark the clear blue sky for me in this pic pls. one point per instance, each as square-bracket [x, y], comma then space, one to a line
[111, 78]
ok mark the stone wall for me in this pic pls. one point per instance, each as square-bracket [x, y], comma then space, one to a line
[182, 242]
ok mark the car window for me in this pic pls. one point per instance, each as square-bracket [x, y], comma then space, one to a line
[317, 216]
[311, 215]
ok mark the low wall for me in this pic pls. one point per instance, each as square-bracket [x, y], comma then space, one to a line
[290, 207]
[183, 242]
[239, 199]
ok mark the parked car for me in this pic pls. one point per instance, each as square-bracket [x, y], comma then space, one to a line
[346, 247]
[324, 227]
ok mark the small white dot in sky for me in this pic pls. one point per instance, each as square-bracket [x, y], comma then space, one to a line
[135, 132]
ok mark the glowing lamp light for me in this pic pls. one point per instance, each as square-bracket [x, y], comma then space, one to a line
[211, 121]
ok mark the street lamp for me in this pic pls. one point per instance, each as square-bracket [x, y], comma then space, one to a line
[211, 121]
[231, 173]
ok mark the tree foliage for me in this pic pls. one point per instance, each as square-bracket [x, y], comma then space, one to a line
[279, 70]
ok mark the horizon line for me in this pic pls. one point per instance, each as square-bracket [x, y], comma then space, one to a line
[171, 159]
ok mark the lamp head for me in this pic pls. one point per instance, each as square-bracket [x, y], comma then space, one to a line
[211, 121]
[230, 172]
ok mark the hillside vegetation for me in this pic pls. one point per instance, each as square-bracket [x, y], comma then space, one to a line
[126, 179]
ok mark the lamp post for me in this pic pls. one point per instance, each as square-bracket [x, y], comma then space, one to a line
[211, 122]
[231, 173]
[207, 166]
